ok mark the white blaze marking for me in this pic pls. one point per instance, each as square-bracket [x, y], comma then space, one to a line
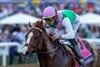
[29, 37]
[24, 50]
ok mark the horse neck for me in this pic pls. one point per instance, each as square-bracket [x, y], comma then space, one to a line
[47, 46]
[46, 54]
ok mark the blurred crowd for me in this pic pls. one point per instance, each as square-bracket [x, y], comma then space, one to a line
[9, 32]
[88, 31]
[15, 33]
[36, 9]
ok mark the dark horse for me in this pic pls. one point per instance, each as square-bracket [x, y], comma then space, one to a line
[50, 54]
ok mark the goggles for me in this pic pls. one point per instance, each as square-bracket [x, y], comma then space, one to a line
[48, 19]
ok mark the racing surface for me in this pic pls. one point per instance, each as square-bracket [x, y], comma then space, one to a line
[23, 65]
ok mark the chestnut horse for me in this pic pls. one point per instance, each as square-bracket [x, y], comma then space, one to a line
[50, 54]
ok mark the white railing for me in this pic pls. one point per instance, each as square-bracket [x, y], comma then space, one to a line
[4, 50]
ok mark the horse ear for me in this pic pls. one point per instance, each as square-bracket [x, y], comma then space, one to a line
[36, 23]
[42, 23]
[29, 25]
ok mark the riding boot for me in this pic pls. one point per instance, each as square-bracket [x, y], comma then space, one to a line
[77, 50]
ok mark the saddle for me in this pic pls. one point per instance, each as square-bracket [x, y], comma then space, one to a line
[87, 55]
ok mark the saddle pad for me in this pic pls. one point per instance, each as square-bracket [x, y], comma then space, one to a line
[87, 55]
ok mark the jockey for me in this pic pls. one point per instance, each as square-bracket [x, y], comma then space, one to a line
[64, 24]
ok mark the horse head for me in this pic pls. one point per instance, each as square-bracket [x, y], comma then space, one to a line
[35, 38]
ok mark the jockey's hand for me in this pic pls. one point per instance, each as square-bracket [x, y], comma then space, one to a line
[54, 37]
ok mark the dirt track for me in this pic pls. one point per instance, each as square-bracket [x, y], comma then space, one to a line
[23, 65]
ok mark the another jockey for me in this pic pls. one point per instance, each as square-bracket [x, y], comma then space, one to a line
[64, 24]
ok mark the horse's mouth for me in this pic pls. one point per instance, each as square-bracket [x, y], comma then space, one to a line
[25, 56]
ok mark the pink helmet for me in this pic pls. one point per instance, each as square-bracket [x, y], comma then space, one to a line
[49, 12]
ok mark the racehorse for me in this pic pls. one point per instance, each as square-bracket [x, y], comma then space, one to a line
[50, 54]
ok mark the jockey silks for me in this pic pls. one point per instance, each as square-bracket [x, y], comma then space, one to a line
[60, 17]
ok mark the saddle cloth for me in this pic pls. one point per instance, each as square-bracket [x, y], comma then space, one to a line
[87, 55]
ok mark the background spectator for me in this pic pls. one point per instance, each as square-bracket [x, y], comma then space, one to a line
[13, 49]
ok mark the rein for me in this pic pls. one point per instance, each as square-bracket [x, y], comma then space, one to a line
[47, 43]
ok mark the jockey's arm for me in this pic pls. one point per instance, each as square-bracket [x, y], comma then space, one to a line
[68, 29]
